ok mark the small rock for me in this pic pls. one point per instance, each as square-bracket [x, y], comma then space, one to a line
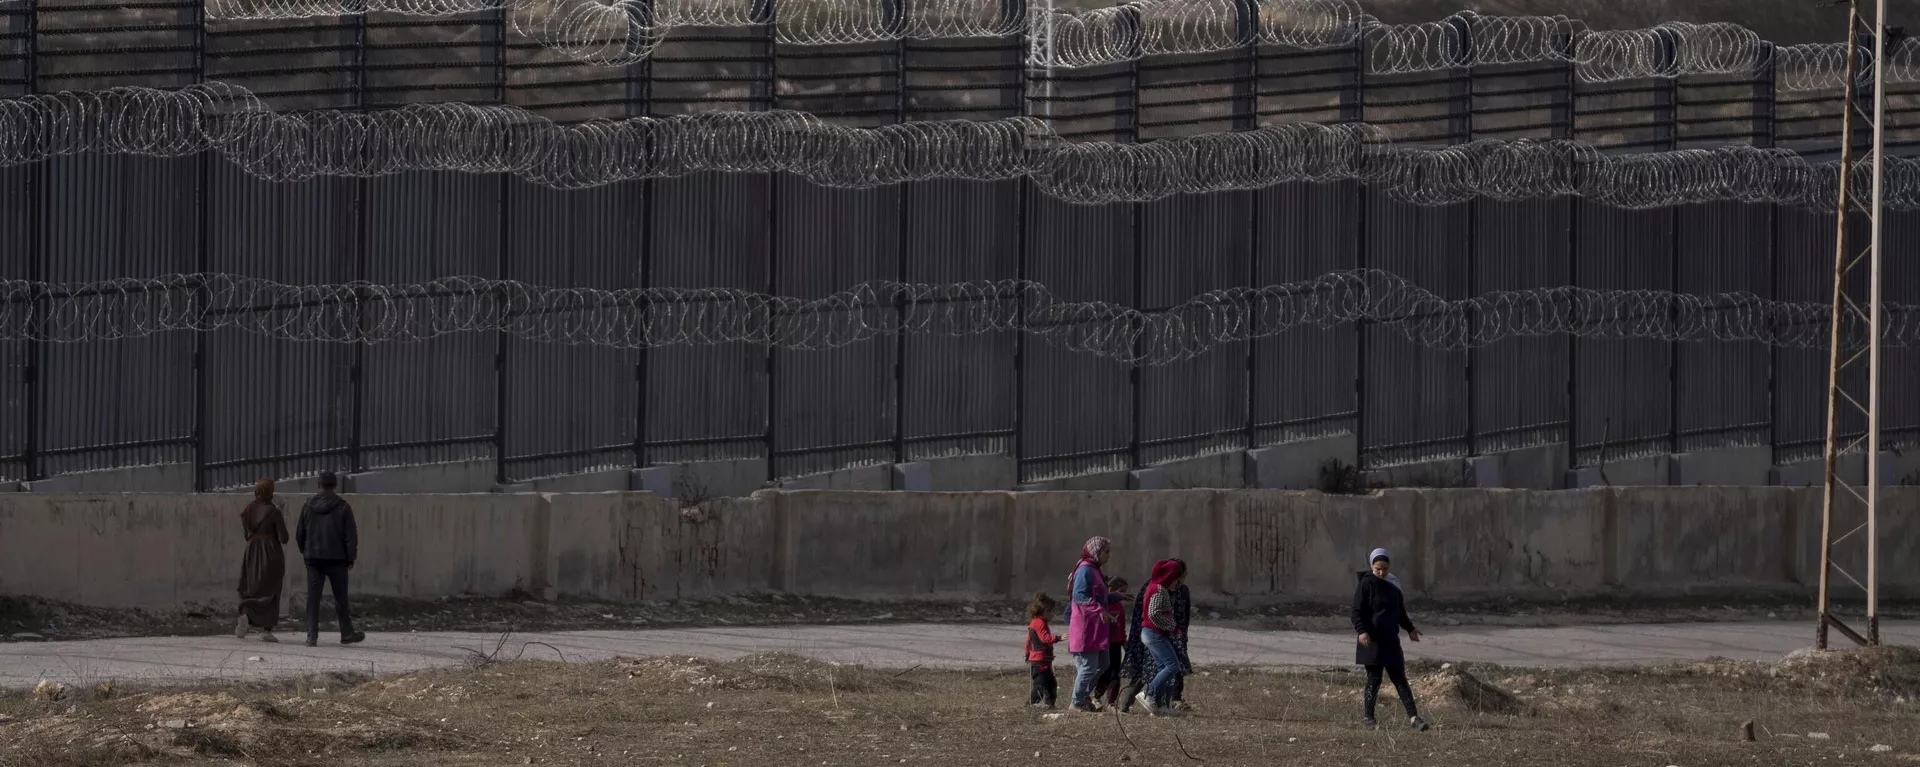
[709, 704]
[174, 724]
[1052, 717]
[254, 659]
[968, 610]
[1213, 616]
[1880, 748]
[104, 690]
[1819, 736]
[1772, 616]
[1445, 666]
[1293, 740]
[319, 691]
[5, 718]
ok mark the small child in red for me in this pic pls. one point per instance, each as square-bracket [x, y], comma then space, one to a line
[1108, 685]
[1040, 642]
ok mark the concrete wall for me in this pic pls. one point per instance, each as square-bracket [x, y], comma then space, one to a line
[1220, 471]
[1296, 465]
[958, 474]
[1248, 546]
[159, 478]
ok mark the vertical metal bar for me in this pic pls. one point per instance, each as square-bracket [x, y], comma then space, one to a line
[643, 361]
[1356, 111]
[505, 270]
[1136, 376]
[1765, 112]
[1247, 119]
[1673, 257]
[199, 18]
[1464, 125]
[37, 190]
[1874, 322]
[355, 459]
[773, 249]
[906, 217]
[1570, 130]
[1024, 187]
[1839, 314]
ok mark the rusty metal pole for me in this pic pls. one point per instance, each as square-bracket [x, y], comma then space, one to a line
[1835, 354]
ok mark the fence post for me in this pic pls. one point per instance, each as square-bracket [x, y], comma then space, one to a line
[197, 14]
[1568, 130]
[1463, 119]
[1247, 118]
[356, 374]
[1024, 186]
[1673, 258]
[37, 187]
[1764, 130]
[1135, 450]
[773, 254]
[643, 361]
[505, 271]
[906, 216]
[1355, 110]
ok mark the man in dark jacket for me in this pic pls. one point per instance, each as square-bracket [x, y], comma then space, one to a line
[330, 543]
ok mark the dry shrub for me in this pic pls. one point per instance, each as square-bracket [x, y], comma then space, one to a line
[1452, 688]
[1869, 671]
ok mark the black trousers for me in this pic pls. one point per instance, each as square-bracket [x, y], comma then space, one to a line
[1046, 689]
[1108, 685]
[321, 573]
[1399, 676]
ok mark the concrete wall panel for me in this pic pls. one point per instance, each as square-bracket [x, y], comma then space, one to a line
[1482, 543]
[1677, 541]
[852, 544]
[1144, 526]
[1295, 546]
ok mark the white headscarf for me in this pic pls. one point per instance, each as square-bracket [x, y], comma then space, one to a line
[1377, 555]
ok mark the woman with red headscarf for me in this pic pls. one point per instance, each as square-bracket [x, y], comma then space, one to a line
[1158, 630]
[1087, 632]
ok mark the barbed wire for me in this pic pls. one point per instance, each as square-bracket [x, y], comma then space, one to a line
[467, 138]
[622, 32]
[363, 312]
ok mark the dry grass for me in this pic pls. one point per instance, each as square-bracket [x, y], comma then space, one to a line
[778, 710]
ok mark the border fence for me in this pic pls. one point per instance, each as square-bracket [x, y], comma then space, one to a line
[240, 405]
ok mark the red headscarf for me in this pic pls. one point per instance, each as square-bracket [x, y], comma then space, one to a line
[1164, 572]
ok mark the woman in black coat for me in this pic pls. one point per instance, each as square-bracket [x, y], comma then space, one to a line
[1379, 613]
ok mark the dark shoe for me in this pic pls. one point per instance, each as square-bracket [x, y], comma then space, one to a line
[1367, 724]
[1418, 724]
[1087, 708]
[313, 641]
[353, 638]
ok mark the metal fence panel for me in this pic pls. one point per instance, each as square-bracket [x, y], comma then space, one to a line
[568, 407]
[1623, 388]
[709, 401]
[430, 401]
[1304, 379]
[277, 409]
[128, 402]
[1077, 408]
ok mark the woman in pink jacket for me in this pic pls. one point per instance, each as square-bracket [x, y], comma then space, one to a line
[1087, 631]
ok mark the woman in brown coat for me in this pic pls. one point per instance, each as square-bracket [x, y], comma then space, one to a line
[264, 568]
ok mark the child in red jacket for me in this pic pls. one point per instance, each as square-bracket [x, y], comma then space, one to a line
[1040, 642]
[1108, 686]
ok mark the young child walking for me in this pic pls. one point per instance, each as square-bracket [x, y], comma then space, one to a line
[1108, 686]
[1040, 642]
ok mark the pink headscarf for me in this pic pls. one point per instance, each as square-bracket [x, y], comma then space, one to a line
[1089, 555]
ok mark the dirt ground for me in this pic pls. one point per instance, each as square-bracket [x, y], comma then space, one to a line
[23, 619]
[780, 710]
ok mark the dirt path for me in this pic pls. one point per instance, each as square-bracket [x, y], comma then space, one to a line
[165, 660]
